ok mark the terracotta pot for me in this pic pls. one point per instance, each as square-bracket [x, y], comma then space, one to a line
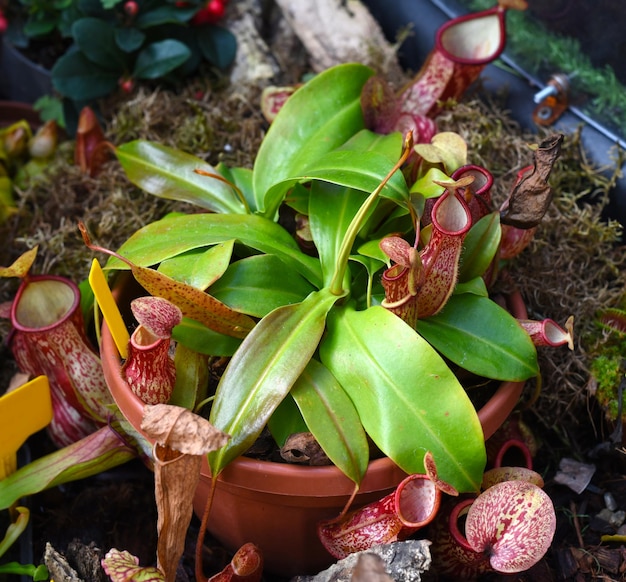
[278, 506]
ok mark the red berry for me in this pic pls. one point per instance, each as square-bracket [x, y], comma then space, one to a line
[216, 8]
[131, 7]
[210, 14]
[4, 23]
[126, 84]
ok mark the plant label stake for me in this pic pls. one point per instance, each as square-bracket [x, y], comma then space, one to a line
[107, 304]
[23, 412]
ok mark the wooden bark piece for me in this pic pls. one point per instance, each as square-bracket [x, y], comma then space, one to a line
[254, 63]
[338, 31]
[58, 566]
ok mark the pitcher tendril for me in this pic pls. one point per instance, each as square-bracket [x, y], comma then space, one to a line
[336, 285]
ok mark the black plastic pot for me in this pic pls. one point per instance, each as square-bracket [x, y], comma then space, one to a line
[426, 16]
[20, 78]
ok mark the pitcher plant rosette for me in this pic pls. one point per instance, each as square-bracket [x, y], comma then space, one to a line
[357, 341]
[349, 280]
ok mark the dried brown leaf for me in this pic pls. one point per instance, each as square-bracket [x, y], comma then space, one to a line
[532, 195]
[176, 477]
[181, 429]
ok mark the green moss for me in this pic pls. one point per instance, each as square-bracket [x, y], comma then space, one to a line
[607, 371]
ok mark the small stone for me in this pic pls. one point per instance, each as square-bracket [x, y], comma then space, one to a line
[574, 474]
[605, 514]
[618, 518]
[402, 561]
[621, 530]
[609, 501]
[601, 522]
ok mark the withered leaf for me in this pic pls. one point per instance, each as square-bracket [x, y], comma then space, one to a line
[447, 148]
[21, 266]
[181, 429]
[193, 303]
[176, 477]
[531, 196]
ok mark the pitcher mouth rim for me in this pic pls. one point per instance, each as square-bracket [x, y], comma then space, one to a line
[17, 326]
[495, 11]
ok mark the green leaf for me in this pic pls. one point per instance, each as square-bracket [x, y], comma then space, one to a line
[96, 39]
[242, 178]
[372, 250]
[259, 284]
[481, 337]
[199, 268]
[331, 209]
[298, 198]
[389, 145]
[160, 58]
[316, 119]
[167, 14]
[129, 39]
[285, 421]
[262, 372]
[480, 247]
[91, 455]
[477, 286]
[332, 419]
[15, 529]
[217, 44]
[408, 400]
[192, 377]
[178, 234]
[74, 76]
[39, 28]
[198, 337]
[359, 170]
[426, 185]
[169, 173]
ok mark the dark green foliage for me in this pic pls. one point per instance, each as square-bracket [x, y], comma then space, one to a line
[111, 46]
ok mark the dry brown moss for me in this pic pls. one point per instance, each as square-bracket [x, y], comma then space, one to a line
[575, 264]
[221, 124]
